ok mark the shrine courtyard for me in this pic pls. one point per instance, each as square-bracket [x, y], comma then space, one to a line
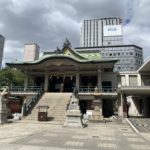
[46, 136]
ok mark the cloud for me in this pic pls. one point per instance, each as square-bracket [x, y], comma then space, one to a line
[49, 22]
[138, 30]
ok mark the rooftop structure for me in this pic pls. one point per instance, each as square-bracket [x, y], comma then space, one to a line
[31, 52]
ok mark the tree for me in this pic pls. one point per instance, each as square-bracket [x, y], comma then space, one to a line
[11, 76]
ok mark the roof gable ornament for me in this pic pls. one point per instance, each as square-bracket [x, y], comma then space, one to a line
[66, 43]
[58, 51]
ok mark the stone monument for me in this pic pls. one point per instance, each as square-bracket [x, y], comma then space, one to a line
[97, 105]
[3, 106]
[73, 114]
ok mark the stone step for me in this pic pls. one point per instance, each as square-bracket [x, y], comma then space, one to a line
[57, 103]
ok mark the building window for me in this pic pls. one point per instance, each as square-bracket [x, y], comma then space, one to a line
[131, 53]
[119, 68]
[110, 54]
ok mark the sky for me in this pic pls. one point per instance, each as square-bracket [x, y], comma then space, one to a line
[49, 22]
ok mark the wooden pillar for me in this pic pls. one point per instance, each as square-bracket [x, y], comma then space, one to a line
[99, 79]
[46, 82]
[77, 80]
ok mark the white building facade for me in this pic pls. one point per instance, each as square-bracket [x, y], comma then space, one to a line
[101, 32]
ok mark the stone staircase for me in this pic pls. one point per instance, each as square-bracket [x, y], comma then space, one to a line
[57, 103]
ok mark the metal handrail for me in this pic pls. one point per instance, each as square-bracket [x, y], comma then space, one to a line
[23, 89]
[33, 100]
[105, 89]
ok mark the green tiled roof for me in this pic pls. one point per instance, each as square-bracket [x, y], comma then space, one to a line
[91, 56]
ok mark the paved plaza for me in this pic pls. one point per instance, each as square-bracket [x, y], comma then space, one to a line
[44, 136]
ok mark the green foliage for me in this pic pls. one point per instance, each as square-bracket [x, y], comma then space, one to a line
[11, 76]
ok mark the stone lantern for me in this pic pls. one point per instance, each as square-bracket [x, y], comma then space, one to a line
[3, 106]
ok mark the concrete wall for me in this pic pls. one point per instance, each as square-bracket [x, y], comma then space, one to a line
[125, 78]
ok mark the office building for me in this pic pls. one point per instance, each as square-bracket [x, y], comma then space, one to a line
[101, 32]
[2, 41]
[105, 36]
[130, 57]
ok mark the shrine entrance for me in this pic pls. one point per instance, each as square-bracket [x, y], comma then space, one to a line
[107, 108]
[61, 84]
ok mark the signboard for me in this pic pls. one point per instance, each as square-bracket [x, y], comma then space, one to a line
[112, 30]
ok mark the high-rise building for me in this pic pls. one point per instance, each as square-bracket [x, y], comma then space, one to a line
[31, 52]
[105, 36]
[101, 32]
[2, 41]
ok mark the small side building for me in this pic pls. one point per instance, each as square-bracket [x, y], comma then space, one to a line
[31, 52]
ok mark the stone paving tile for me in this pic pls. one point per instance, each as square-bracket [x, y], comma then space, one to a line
[38, 141]
[130, 134]
[140, 147]
[107, 138]
[135, 140]
[107, 146]
[50, 135]
[74, 143]
[9, 147]
[31, 148]
[81, 137]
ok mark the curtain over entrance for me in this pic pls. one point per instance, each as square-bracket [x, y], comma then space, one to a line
[61, 84]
